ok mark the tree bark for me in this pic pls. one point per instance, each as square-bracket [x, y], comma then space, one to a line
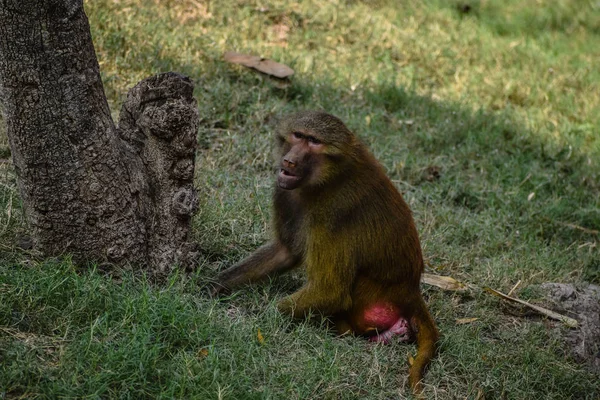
[99, 192]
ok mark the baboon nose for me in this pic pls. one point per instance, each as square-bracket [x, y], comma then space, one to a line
[288, 163]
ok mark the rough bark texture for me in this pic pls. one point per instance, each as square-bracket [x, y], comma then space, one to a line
[159, 121]
[89, 189]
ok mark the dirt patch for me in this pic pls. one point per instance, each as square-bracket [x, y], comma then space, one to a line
[581, 302]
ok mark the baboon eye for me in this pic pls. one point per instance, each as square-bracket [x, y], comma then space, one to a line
[298, 135]
[314, 140]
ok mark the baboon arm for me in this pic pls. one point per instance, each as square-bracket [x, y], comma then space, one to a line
[267, 260]
[330, 276]
[310, 299]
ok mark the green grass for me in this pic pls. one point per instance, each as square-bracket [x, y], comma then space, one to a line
[503, 102]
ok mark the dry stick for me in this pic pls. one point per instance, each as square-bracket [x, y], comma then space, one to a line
[575, 226]
[514, 288]
[570, 322]
[449, 283]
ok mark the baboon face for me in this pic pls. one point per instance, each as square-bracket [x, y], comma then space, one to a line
[301, 160]
[312, 147]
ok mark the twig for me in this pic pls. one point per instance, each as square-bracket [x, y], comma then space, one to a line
[575, 226]
[570, 322]
[514, 288]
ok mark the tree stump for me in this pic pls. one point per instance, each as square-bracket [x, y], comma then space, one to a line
[100, 193]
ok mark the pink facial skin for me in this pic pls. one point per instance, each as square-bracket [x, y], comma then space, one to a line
[387, 322]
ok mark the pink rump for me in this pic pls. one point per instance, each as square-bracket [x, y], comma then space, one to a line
[386, 319]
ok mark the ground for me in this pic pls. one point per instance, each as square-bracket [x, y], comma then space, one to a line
[483, 113]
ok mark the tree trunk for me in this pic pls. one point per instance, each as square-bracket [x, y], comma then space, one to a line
[99, 192]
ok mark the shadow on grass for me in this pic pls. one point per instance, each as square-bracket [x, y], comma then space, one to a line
[442, 155]
[131, 339]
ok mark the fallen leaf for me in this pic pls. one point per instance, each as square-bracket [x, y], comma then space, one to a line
[411, 360]
[570, 322]
[531, 196]
[432, 173]
[260, 64]
[462, 321]
[260, 337]
[443, 282]
[480, 395]
[203, 353]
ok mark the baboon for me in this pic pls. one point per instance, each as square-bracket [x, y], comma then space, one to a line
[339, 216]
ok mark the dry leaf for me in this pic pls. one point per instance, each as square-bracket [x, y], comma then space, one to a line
[462, 321]
[263, 65]
[260, 337]
[203, 353]
[570, 322]
[411, 360]
[443, 282]
[531, 196]
[432, 173]
[243, 59]
[480, 395]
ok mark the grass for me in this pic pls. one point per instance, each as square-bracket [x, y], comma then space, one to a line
[487, 122]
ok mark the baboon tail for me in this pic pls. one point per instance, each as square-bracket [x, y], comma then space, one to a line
[427, 337]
